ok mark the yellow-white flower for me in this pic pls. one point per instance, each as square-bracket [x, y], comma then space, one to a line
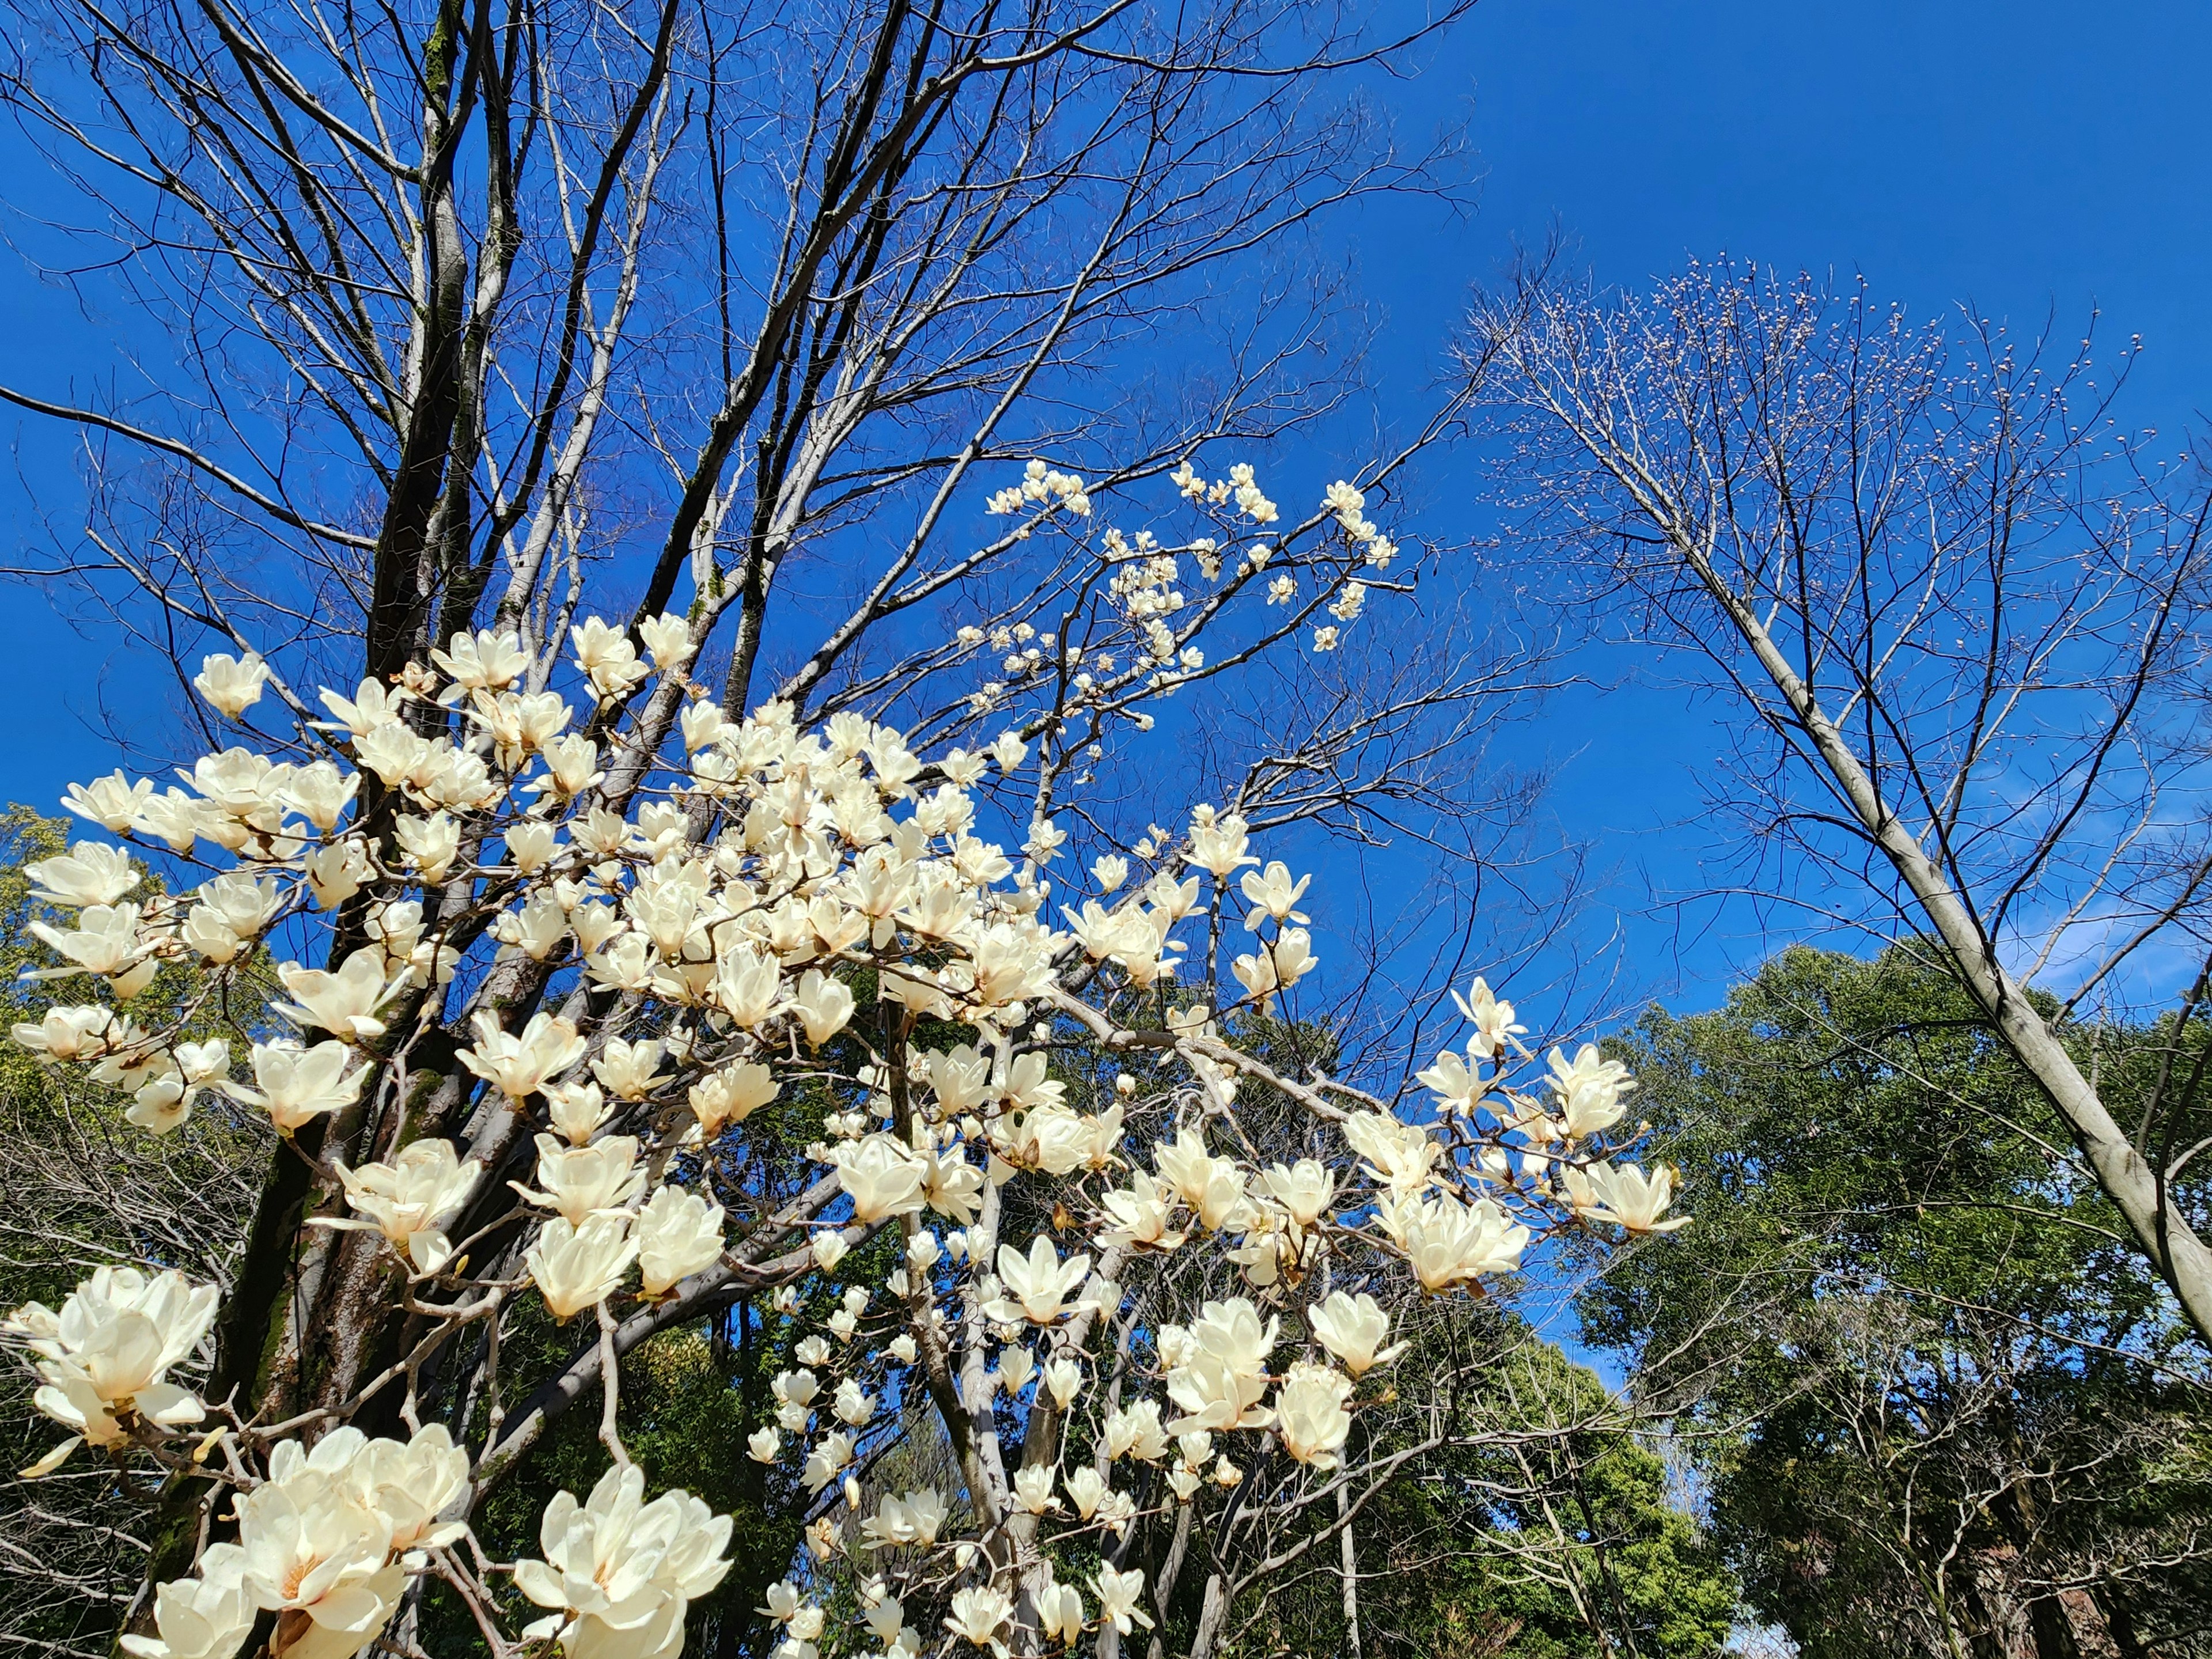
[882, 1177]
[1589, 1090]
[914, 1519]
[108, 1351]
[344, 1003]
[1119, 1597]
[409, 1199]
[575, 1266]
[1633, 1198]
[231, 684]
[1449, 1242]
[89, 873]
[617, 1572]
[978, 1614]
[203, 1618]
[1310, 1413]
[1060, 1612]
[519, 1063]
[580, 1180]
[1036, 1286]
[678, 1234]
[1217, 1366]
[1303, 1188]
[1354, 1328]
[731, 1096]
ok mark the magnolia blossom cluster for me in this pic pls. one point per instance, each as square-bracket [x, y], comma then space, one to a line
[1145, 643]
[664, 935]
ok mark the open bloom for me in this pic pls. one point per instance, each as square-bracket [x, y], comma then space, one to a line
[580, 1180]
[1212, 1187]
[203, 1618]
[409, 1199]
[1398, 1154]
[1140, 1216]
[231, 684]
[978, 1614]
[296, 1085]
[108, 1351]
[410, 1482]
[1036, 1286]
[1589, 1090]
[1449, 1244]
[89, 873]
[521, 1063]
[618, 1572]
[1135, 1431]
[1120, 1596]
[315, 1555]
[1217, 1366]
[731, 1096]
[881, 1175]
[1634, 1199]
[914, 1519]
[344, 1003]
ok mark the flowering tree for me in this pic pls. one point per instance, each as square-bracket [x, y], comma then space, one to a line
[579, 922]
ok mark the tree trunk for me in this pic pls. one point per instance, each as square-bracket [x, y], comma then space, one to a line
[2135, 1189]
[1351, 1577]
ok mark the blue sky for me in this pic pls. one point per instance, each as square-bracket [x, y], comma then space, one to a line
[2029, 159]
[2020, 158]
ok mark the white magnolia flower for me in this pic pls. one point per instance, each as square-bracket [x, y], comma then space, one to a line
[107, 1353]
[409, 1200]
[89, 873]
[914, 1519]
[731, 1096]
[1060, 1612]
[979, 1613]
[1303, 1189]
[203, 1617]
[678, 1234]
[1033, 1489]
[1589, 1090]
[1450, 1243]
[882, 1177]
[1036, 1286]
[1627, 1194]
[231, 684]
[311, 1548]
[1354, 1328]
[519, 1064]
[1120, 1596]
[1310, 1413]
[1217, 1366]
[617, 1572]
[582, 1181]
[575, 1266]
[296, 1085]
[1400, 1155]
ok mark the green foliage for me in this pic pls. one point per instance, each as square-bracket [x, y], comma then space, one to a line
[1934, 1385]
[1551, 1533]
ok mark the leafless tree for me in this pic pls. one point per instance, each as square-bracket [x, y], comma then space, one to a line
[1960, 617]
